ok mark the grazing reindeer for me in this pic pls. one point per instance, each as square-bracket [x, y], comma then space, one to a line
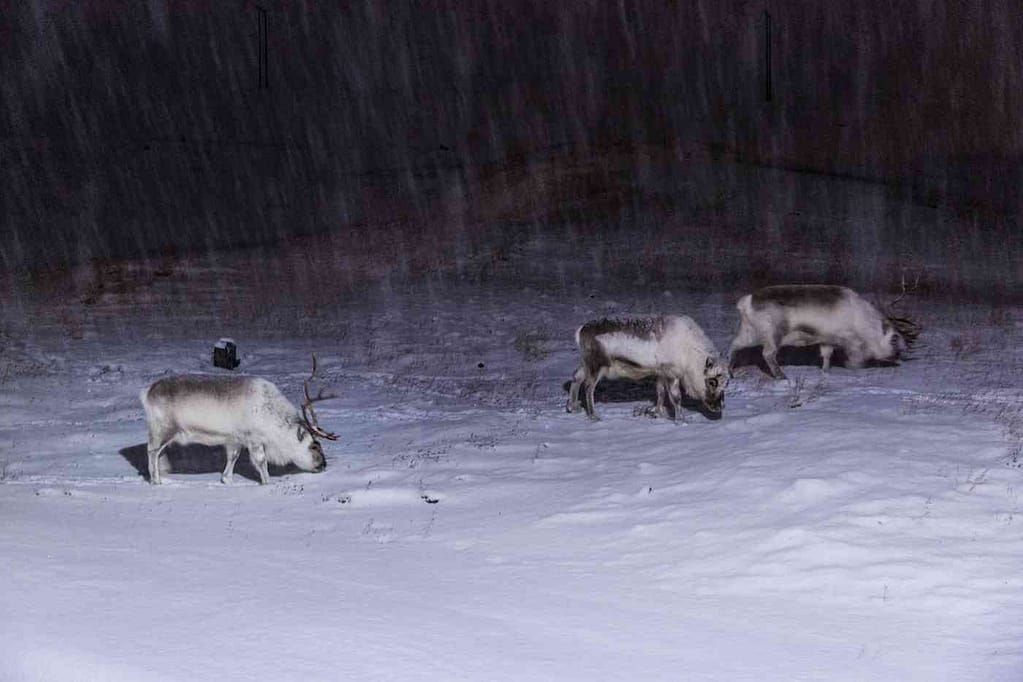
[808, 314]
[235, 412]
[672, 348]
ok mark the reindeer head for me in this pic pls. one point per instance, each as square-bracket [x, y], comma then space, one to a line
[310, 456]
[899, 331]
[309, 429]
[715, 378]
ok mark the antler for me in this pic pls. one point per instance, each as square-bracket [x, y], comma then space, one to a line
[901, 295]
[904, 291]
[308, 414]
[910, 330]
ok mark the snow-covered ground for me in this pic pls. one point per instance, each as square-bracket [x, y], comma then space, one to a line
[860, 525]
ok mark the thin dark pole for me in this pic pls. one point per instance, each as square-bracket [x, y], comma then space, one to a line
[767, 56]
[264, 76]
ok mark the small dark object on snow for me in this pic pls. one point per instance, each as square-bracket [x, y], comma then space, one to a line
[225, 354]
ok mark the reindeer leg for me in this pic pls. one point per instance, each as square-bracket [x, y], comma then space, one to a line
[855, 358]
[732, 352]
[233, 450]
[675, 396]
[770, 354]
[744, 338]
[154, 450]
[573, 391]
[257, 455]
[660, 410]
[591, 387]
[826, 352]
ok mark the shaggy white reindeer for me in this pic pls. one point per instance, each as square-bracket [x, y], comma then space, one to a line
[808, 314]
[672, 348]
[235, 412]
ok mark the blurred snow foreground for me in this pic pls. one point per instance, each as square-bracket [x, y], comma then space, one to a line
[859, 525]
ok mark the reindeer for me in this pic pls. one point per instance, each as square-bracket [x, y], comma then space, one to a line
[672, 348]
[236, 412]
[832, 316]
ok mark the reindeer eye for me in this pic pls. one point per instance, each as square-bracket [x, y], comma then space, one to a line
[713, 383]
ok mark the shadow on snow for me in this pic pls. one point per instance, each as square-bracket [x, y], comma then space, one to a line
[801, 356]
[199, 459]
[645, 390]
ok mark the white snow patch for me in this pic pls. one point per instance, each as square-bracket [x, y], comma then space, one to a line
[467, 528]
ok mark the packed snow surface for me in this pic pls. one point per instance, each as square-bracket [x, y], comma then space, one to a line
[856, 525]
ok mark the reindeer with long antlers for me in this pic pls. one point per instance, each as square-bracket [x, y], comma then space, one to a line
[236, 412]
[825, 315]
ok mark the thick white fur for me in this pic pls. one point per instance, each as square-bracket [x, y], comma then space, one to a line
[235, 412]
[851, 323]
[681, 354]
